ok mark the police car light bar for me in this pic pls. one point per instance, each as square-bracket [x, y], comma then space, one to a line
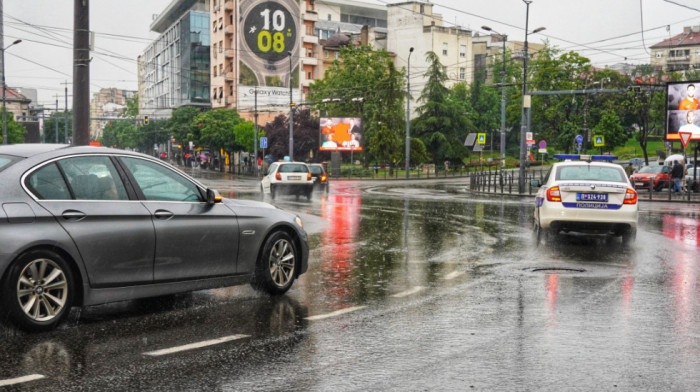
[579, 157]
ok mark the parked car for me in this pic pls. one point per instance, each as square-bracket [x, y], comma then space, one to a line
[320, 177]
[691, 179]
[292, 178]
[655, 175]
[587, 197]
[89, 225]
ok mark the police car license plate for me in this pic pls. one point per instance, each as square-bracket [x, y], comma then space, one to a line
[592, 197]
[294, 178]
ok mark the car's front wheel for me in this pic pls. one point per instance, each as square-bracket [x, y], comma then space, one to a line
[276, 267]
[38, 290]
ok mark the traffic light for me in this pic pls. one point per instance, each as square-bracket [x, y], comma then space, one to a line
[145, 120]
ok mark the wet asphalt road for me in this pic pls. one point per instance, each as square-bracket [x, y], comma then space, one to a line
[415, 285]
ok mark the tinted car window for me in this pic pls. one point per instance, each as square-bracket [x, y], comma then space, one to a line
[47, 184]
[93, 178]
[591, 173]
[6, 161]
[293, 168]
[160, 183]
[316, 169]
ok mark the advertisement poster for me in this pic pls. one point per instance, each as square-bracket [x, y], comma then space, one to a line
[341, 134]
[267, 34]
[683, 110]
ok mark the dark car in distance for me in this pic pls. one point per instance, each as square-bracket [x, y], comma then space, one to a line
[320, 176]
[86, 225]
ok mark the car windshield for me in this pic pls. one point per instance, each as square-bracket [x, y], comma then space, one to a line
[294, 168]
[591, 173]
[315, 169]
[651, 169]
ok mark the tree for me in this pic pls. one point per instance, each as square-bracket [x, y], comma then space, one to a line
[441, 125]
[305, 135]
[182, 125]
[50, 125]
[132, 107]
[610, 127]
[216, 130]
[15, 131]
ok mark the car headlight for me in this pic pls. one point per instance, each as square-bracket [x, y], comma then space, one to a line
[298, 221]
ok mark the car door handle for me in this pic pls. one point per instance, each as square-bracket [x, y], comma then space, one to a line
[73, 215]
[163, 214]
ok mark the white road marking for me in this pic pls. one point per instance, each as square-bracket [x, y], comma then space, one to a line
[336, 313]
[453, 275]
[193, 346]
[19, 380]
[409, 292]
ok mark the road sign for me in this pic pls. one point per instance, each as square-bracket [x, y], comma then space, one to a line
[542, 150]
[685, 138]
[530, 142]
[528, 135]
[579, 139]
[598, 140]
[263, 142]
[482, 138]
[543, 144]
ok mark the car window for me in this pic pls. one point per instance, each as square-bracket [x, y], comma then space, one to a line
[157, 182]
[316, 169]
[6, 161]
[294, 168]
[93, 178]
[47, 183]
[591, 173]
[651, 169]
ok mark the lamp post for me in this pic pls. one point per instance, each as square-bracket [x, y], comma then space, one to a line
[291, 111]
[526, 102]
[503, 100]
[4, 87]
[408, 113]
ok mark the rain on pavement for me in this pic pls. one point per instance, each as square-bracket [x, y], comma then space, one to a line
[412, 285]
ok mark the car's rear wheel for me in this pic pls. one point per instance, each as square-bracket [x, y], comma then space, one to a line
[38, 291]
[276, 267]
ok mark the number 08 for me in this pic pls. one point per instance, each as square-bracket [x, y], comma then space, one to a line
[267, 41]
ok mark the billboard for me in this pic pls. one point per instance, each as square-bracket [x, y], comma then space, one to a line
[682, 110]
[341, 134]
[267, 33]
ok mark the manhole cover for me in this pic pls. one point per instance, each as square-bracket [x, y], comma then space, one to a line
[555, 270]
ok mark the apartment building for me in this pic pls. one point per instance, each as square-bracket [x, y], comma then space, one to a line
[107, 104]
[678, 53]
[174, 70]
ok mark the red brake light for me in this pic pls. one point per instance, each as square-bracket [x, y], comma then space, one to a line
[630, 197]
[323, 178]
[308, 176]
[553, 194]
[278, 176]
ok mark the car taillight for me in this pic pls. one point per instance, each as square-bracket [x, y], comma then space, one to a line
[630, 196]
[553, 194]
[323, 178]
[278, 176]
[308, 176]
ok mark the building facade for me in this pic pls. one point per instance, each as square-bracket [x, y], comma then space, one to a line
[678, 53]
[174, 71]
[107, 104]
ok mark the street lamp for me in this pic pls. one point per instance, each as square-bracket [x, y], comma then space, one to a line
[526, 102]
[4, 87]
[408, 112]
[503, 100]
[291, 111]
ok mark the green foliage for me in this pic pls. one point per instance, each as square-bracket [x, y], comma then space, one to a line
[15, 131]
[216, 130]
[182, 125]
[610, 127]
[132, 107]
[51, 135]
[244, 134]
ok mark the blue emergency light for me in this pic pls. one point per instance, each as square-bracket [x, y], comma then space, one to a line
[579, 157]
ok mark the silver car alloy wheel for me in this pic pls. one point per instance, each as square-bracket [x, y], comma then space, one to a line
[282, 262]
[42, 289]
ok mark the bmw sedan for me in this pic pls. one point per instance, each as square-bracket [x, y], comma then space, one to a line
[82, 226]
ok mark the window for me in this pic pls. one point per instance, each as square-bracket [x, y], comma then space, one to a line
[47, 184]
[89, 178]
[336, 55]
[329, 16]
[444, 48]
[659, 54]
[160, 183]
[308, 75]
[462, 73]
[325, 53]
[462, 50]
[591, 173]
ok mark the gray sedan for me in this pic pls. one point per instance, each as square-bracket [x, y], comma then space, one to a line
[88, 225]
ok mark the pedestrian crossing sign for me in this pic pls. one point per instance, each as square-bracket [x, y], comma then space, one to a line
[481, 138]
[598, 141]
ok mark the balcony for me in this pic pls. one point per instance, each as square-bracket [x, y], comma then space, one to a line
[228, 6]
[230, 76]
[310, 16]
[311, 39]
[229, 53]
[309, 60]
[229, 30]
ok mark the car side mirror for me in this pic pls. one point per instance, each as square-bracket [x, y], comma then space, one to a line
[535, 183]
[213, 197]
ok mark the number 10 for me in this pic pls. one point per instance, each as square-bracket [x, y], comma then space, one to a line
[277, 19]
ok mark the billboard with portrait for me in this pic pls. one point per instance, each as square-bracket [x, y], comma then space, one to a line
[267, 34]
[341, 134]
[682, 110]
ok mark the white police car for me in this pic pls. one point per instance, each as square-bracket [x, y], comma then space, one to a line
[585, 194]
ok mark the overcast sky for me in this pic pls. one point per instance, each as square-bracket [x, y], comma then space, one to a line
[606, 31]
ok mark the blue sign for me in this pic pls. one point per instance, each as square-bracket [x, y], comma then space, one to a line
[579, 139]
[263, 142]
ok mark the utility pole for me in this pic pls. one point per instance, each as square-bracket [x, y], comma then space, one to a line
[81, 73]
[408, 113]
[291, 112]
[65, 114]
[255, 138]
[55, 118]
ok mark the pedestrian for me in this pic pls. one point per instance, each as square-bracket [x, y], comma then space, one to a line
[677, 175]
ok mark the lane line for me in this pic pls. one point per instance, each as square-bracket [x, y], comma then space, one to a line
[408, 292]
[336, 313]
[454, 274]
[193, 346]
[20, 380]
